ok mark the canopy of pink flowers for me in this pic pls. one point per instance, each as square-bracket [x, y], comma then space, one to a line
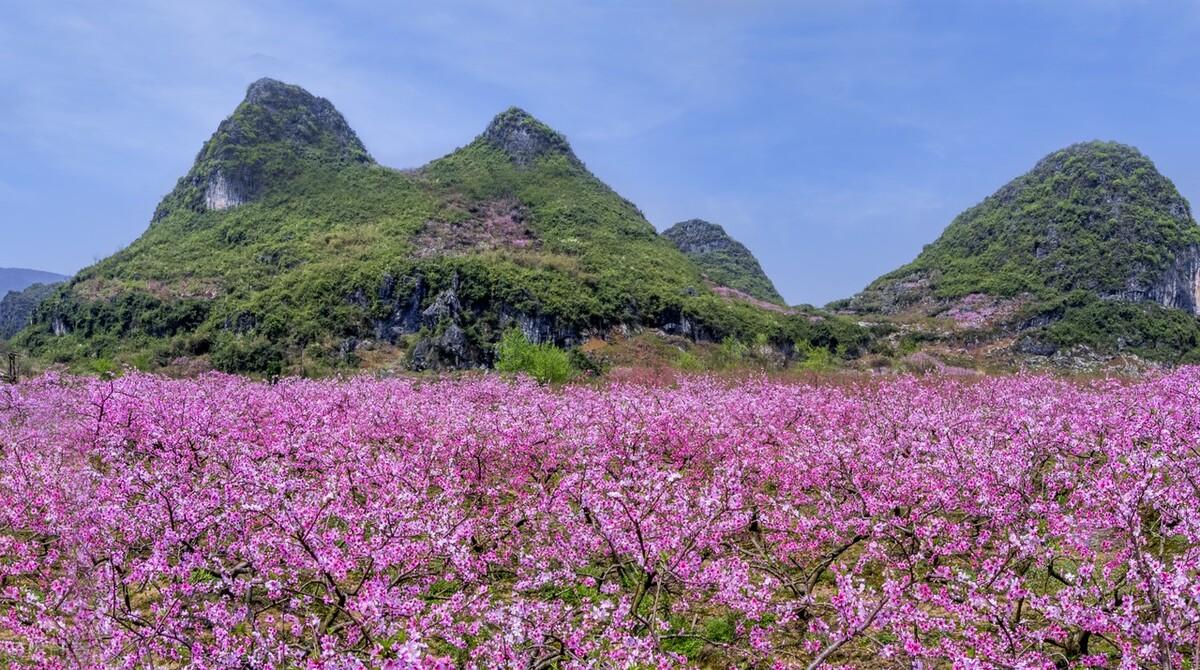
[1019, 522]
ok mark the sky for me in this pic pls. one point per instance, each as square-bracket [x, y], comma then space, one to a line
[834, 139]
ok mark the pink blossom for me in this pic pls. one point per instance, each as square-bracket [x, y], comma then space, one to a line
[1021, 522]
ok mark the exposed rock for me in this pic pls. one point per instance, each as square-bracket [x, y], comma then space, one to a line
[525, 139]
[422, 356]
[453, 344]
[1035, 347]
[405, 317]
[445, 306]
[1178, 286]
[538, 328]
[892, 296]
[222, 192]
[450, 349]
[677, 323]
[275, 126]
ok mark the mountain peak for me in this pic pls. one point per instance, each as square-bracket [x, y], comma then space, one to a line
[1096, 217]
[267, 88]
[723, 260]
[1091, 147]
[276, 112]
[707, 230]
[524, 138]
[277, 128]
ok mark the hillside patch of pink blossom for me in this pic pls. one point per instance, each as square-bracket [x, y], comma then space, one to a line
[1021, 522]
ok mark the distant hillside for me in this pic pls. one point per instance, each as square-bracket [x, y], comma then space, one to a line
[722, 259]
[1096, 217]
[17, 308]
[286, 248]
[21, 291]
[18, 279]
[1092, 247]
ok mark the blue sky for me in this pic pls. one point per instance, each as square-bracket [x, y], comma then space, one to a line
[833, 138]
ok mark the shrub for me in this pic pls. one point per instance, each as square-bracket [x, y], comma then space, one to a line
[544, 362]
[247, 354]
[731, 352]
[688, 362]
[815, 359]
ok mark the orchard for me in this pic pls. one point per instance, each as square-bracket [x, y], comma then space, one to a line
[1010, 522]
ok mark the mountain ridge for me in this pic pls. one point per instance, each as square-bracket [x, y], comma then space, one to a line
[287, 248]
[21, 291]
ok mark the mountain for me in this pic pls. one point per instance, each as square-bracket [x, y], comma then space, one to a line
[722, 259]
[287, 248]
[1092, 246]
[18, 279]
[17, 308]
[1096, 217]
[21, 291]
[273, 134]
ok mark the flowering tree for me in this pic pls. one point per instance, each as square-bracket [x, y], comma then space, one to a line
[220, 523]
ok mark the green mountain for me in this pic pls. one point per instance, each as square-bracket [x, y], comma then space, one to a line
[21, 291]
[722, 259]
[1093, 246]
[287, 248]
[17, 308]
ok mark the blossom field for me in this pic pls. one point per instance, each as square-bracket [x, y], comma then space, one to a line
[1020, 522]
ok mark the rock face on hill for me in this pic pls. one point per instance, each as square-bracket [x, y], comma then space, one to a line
[275, 128]
[1095, 217]
[723, 260]
[524, 139]
[286, 247]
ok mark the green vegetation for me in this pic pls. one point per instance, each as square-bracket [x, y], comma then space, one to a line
[1094, 241]
[815, 359]
[1096, 217]
[17, 307]
[1147, 330]
[324, 249]
[544, 362]
[722, 259]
